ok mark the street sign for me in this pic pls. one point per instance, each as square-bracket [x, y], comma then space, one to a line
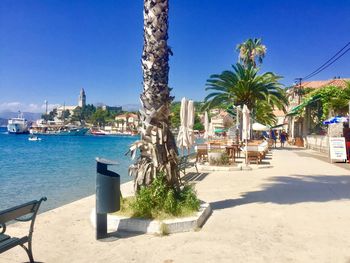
[337, 149]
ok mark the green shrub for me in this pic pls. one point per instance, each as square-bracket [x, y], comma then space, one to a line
[161, 201]
[223, 160]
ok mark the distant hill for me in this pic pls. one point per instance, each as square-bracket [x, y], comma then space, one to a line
[30, 116]
[3, 122]
[131, 107]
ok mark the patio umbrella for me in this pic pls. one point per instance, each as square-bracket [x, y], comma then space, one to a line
[182, 137]
[206, 125]
[246, 129]
[259, 127]
[190, 123]
[337, 119]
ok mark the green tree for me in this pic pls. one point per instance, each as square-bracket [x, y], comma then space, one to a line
[87, 112]
[99, 117]
[77, 114]
[175, 114]
[250, 51]
[244, 85]
[65, 114]
[197, 123]
[158, 150]
[51, 116]
[332, 101]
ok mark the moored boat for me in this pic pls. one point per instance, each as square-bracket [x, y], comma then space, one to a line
[17, 125]
[59, 130]
[97, 132]
[34, 138]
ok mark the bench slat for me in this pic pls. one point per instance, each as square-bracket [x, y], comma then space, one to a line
[3, 237]
[17, 211]
[12, 242]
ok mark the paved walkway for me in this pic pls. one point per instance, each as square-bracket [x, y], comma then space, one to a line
[296, 211]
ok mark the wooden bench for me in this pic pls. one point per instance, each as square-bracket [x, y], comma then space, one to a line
[23, 213]
[184, 163]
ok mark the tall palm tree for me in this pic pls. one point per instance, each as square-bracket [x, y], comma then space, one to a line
[158, 151]
[244, 85]
[250, 50]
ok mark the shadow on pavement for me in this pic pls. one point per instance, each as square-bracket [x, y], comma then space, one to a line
[294, 189]
[194, 177]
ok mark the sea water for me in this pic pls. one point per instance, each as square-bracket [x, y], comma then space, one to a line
[62, 168]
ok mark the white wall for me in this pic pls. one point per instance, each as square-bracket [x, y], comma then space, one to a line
[318, 143]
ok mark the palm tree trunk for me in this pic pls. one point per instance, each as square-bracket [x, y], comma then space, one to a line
[158, 151]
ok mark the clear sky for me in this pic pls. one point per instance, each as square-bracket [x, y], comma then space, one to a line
[50, 49]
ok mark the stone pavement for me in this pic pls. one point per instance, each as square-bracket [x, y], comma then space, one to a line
[297, 209]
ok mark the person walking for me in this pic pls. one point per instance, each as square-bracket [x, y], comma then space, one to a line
[283, 138]
[273, 137]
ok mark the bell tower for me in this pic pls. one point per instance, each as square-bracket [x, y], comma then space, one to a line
[82, 99]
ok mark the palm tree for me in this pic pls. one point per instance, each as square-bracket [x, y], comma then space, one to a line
[244, 85]
[158, 151]
[250, 50]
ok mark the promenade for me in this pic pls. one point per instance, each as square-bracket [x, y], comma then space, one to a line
[296, 210]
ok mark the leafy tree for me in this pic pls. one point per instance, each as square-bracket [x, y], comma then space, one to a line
[333, 101]
[250, 51]
[197, 123]
[99, 117]
[45, 117]
[244, 85]
[65, 114]
[51, 116]
[77, 114]
[87, 112]
[175, 114]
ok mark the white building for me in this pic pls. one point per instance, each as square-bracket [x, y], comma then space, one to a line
[81, 103]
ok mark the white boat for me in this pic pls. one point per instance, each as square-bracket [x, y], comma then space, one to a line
[17, 125]
[34, 138]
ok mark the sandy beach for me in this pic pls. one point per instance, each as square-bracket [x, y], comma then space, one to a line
[298, 210]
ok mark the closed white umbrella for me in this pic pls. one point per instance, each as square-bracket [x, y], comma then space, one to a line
[182, 137]
[210, 130]
[246, 123]
[246, 130]
[259, 127]
[190, 123]
[206, 125]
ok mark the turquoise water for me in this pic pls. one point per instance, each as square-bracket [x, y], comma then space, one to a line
[62, 168]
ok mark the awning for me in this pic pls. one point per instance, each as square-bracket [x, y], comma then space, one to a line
[302, 105]
[219, 130]
[259, 127]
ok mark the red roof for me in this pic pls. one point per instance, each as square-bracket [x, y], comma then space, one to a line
[316, 84]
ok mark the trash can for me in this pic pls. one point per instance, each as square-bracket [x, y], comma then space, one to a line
[107, 195]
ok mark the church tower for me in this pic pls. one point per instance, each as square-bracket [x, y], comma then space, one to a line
[82, 99]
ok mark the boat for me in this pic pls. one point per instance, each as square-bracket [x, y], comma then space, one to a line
[58, 130]
[34, 138]
[17, 125]
[97, 133]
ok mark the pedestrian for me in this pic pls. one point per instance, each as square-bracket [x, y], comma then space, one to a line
[273, 137]
[283, 138]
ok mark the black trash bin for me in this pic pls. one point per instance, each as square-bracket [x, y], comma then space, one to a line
[107, 195]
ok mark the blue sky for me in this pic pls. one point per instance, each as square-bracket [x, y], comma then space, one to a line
[50, 49]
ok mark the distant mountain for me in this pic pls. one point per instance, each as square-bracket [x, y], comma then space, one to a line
[131, 107]
[30, 116]
[3, 122]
